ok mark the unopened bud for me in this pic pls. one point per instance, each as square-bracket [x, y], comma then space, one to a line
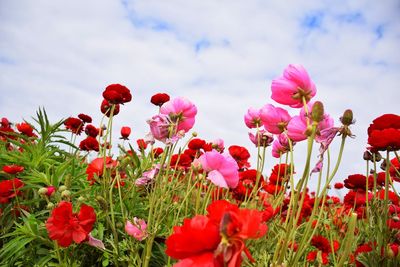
[378, 156]
[383, 165]
[194, 134]
[102, 202]
[347, 118]
[367, 155]
[66, 193]
[42, 191]
[50, 205]
[81, 199]
[317, 112]
[62, 188]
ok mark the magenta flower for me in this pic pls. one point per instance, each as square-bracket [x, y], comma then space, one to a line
[293, 86]
[252, 118]
[222, 168]
[137, 229]
[275, 119]
[262, 138]
[280, 146]
[180, 111]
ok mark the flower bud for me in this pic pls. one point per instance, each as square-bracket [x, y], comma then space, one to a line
[194, 134]
[367, 155]
[50, 205]
[66, 193]
[42, 191]
[62, 188]
[378, 156]
[347, 118]
[102, 203]
[317, 112]
[81, 199]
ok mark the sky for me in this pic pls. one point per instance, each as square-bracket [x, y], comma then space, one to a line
[222, 55]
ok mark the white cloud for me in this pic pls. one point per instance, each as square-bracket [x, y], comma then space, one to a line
[61, 55]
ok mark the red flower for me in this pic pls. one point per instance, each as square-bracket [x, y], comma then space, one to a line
[125, 132]
[384, 133]
[117, 94]
[65, 226]
[339, 185]
[75, 125]
[91, 130]
[394, 169]
[159, 99]
[358, 181]
[241, 155]
[9, 189]
[25, 129]
[88, 144]
[85, 118]
[180, 160]
[142, 145]
[247, 180]
[312, 256]
[96, 167]
[279, 174]
[105, 108]
[157, 151]
[196, 144]
[13, 169]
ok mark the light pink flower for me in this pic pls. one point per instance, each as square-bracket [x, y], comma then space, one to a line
[292, 86]
[137, 230]
[280, 146]
[252, 118]
[222, 169]
[296, 129]
[275, 119]
[148, 176]
[94, 242]
[261, 138]
[159, 127]
[218, 144]
[180, 111]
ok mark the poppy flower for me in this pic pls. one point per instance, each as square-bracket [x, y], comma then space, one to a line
[159, 99]
[9, 189]
[241, 155]
[13, 169]
[157, 151]
[85, 118]
[293, 86]
[105, 108]
[180, 111]
[75, 125]
[180, 160]
[64, 226]
[117, 94]
[89, 144]
[125, 132]
[384, 133]
[338, 185]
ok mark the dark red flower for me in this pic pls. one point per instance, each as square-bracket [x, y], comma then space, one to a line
[394, 169]
[180, 160]
[358, 181]
[89, 144]
[13, 169]
[159, 99]
[85, 118]
[313, 255]
[196, 144]
[339, 185]
[9, 189]
[117, 94]
[357, 198]
[65, 226]
[384, 133]
[75, 125]
[25, 129]
[105, 108]
[157, 151]
[280, 173]
[125, 132]
[247, 181]
[92, 131]
[142, 145]
[241, 155]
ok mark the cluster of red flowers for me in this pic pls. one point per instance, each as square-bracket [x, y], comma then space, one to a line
[384, 133]
[216, 239]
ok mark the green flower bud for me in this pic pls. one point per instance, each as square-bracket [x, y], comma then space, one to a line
[347, 118]
[42, 191]
[50, 205]
[62, 188]
[66, 193]
[317, 112]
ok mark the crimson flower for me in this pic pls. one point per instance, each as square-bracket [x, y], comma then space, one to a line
[241, 155]
[196, 144]
[88, 144]
[142, 145]
[159, 99]
[358, 181]
[75, 125]
[25, 129]
[92, 131]
[105, 108]
[117, 94]
[13, 169]
[384, 133]
[9, 189]
[96, 167]
[65, 226]
[338, 185]
[85, 118]
[125, 132]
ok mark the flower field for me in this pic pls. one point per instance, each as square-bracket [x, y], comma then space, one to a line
[70, 195]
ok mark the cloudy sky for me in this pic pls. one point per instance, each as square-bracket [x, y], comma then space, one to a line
[222, 55]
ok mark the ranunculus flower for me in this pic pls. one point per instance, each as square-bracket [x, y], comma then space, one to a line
[13, 169]
[137, 229]
[275, 119]
[218, 144]
[25, 129]
[159, 127]
[125, 132]
[196, 144]
[92, 131]
[89, 144]
[159, 99]
[222, 169]
[85, 118]
[384, 133]
[105, 108]
[117, 94]
[358, 181]
[142, 145]
[338, 185]
[252, 118]
[96, 167]
[180, 111]
[9, 189]
[294, 85]
[65, 226]
[75, 125]
[241, 155]
[280, 146]
[261, 138]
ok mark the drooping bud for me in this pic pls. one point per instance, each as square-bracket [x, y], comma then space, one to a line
[367, 155]
[347, 118]
[317, 112]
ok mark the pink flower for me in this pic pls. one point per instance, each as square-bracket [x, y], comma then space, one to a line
[137, 230]
[275, 119]
[280, 146]
[293, 86]
[218, 144]
[261, 138]
[222, 168]
[296, 129]
[159, 127]
[180, 111]
[252, 118]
